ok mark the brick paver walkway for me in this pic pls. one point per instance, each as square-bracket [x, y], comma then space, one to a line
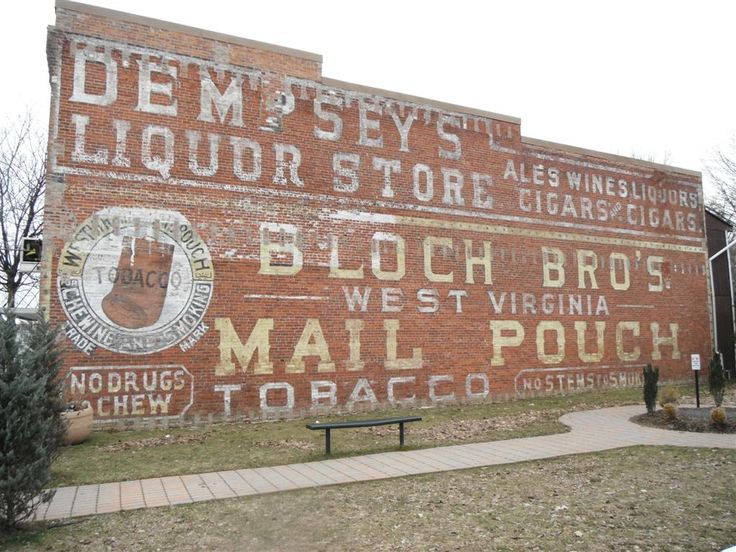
[592, 431]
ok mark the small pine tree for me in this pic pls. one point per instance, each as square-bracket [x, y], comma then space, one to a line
[31, 428]
[651, 377]
[716, 379]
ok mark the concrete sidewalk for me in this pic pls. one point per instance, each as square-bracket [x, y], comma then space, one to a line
[591, 431]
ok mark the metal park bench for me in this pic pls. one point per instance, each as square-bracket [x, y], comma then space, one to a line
[328, 426]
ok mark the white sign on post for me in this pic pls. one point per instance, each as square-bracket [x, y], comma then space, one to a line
[695, 362]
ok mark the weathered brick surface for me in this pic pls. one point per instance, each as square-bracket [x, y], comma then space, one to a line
[230, 234]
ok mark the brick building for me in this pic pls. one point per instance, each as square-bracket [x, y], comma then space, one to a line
[230, 233]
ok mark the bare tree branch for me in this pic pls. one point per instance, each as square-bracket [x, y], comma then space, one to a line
[663, 159]
[22, 187]
[722, 172]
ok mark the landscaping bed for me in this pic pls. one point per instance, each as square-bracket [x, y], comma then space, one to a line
[689, 419]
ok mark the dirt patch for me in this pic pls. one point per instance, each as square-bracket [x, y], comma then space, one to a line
[199, 438]
[154, 442]
[290, 444]
[461, 430]
[660, 420]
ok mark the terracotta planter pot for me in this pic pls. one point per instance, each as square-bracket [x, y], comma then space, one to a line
[79, 425]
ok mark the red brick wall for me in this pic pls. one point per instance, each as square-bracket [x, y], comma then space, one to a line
[231, 234]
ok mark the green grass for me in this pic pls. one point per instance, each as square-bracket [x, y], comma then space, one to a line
[243, 445]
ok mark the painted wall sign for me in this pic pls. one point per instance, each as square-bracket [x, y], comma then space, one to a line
[134, 281]
[133, 391]
[370, 248]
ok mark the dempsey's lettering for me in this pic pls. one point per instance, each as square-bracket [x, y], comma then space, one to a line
[371, 123]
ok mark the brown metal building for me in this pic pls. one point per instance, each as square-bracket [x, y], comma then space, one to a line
[717, 229]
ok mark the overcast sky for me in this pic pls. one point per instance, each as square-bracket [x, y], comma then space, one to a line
[644, 78]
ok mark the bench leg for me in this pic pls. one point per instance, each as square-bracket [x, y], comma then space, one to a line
[328, 448]
[401, 434]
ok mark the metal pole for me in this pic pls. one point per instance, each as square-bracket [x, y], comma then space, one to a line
[713, 304]
[728, 246]
[697, 388]
[729, 373]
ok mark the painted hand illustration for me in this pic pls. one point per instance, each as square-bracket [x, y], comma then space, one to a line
[140, 283]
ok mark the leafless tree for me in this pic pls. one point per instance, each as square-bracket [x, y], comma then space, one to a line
[22, 186]
[722, 173]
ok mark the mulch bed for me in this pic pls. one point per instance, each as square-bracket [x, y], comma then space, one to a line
[660, 420]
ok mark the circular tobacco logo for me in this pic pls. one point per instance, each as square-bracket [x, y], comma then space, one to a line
[134, 281]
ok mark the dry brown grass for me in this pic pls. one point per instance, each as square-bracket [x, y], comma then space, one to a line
[636, 499]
